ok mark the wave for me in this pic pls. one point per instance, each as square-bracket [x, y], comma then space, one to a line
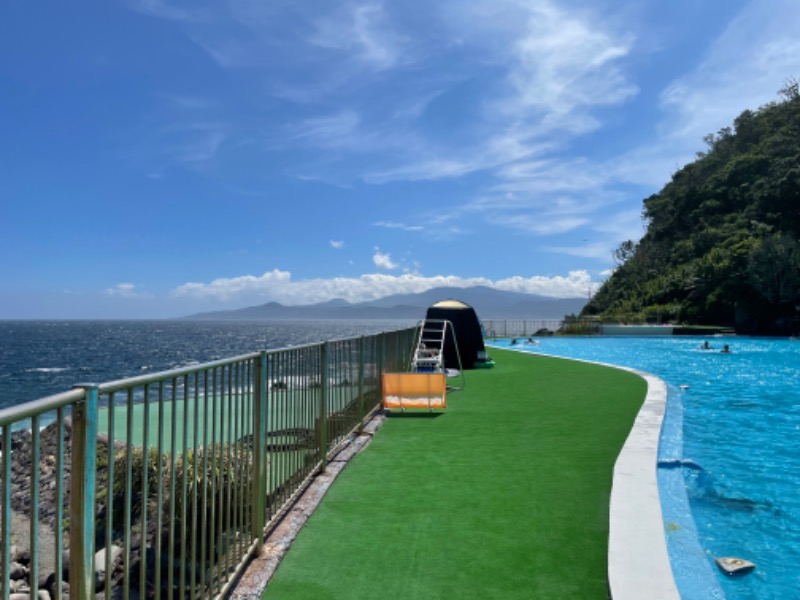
[47, 370]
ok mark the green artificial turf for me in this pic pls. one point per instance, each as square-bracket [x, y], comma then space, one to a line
[504, 494]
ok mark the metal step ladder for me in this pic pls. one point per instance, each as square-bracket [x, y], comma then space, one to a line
[429, 353]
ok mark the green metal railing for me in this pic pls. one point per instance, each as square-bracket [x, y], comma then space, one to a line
[165, 485]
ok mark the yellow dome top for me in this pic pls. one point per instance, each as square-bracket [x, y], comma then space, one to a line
[450, 304]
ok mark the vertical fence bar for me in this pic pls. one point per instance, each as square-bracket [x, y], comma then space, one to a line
[362, 412]
[59, 529]
[246, 464]
[212, 584]
[204, 488]
[145, 501]
[260, 453]
[226, 469]
[128, 498]
[173, 447]
[109, 496]
[226, 473]
[323, 409]
[5, 561]
[82, 491]
[184, 532]
[36, 452]
[195, 479]
[159, 488]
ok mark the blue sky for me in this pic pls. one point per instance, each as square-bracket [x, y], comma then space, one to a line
[161, 158]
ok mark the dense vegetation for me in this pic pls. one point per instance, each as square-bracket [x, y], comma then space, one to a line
[721, 245]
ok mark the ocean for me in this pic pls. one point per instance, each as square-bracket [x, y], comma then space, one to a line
[40, 358]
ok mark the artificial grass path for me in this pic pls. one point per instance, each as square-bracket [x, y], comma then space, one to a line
[504, 494]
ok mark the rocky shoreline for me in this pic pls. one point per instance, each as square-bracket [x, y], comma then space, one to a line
[21, 447]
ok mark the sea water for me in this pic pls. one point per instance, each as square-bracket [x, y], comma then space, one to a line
[39, 358]
[740, 417]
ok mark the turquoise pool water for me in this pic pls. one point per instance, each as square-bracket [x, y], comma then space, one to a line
[734, 422]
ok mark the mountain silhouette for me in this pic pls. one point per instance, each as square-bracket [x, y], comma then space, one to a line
[489, 303]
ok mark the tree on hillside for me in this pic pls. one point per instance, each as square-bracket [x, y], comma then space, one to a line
[723, 236]
[774, 269]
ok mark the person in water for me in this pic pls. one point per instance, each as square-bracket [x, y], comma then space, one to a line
[706, 346]
[725, 349]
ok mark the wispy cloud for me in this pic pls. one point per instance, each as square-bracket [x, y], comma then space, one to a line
[552, 69]
[337, 244]
[338, 130]
[362, 32]
[196, 143]
[564, 62]
[164, 10]
[525, 83]
[396, 225]
[183, 101]
[742, 69]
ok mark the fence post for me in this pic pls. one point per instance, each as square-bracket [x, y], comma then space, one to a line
[259, 516]
[82, 493]
[362, 413]
[323, 407]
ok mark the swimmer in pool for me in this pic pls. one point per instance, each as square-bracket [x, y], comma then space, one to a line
[725, 349]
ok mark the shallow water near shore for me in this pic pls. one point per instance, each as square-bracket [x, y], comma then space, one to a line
[741, 426]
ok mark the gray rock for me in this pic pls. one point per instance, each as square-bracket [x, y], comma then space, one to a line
[17, 571]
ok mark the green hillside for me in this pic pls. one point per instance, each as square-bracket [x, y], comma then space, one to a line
[722, 236]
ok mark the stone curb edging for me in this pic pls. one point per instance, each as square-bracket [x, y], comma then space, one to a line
[638, 559]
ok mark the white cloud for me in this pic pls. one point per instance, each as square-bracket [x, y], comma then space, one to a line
[383, 261]
[126, 290]
[337, 244]
[278, 286]
[226, 288]
[395, 225]
[575, 284]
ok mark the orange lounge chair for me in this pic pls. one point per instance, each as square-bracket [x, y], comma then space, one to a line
[414, 390]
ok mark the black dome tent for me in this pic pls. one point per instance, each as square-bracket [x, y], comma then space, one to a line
[468, 335]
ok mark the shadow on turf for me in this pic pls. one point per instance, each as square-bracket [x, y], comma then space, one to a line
[413, 415]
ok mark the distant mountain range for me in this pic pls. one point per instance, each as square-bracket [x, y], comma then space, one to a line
[487, 302]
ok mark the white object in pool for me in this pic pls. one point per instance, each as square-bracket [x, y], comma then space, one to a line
[731, 564]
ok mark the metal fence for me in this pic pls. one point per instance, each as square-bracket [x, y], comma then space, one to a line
[510, 328]
[163, 486]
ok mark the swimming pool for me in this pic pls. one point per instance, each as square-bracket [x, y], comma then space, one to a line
[734, 421]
